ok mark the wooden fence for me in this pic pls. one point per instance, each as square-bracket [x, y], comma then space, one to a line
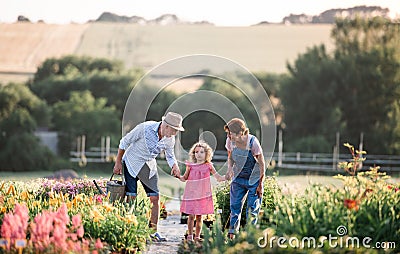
[323, 162]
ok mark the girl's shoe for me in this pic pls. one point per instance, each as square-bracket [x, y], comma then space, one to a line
[189, 238]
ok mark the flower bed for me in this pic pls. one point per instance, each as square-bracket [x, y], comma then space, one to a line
[55, 216]
[363, 216]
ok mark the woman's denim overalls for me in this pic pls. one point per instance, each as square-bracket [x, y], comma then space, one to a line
[245, 181]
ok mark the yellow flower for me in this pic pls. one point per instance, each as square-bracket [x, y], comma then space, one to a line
[78, 198]
[90, 200]
[148, 214]
[348, 145]
[37, 204]
[54, 202]
[131, 218]
[108, 207]
[3, 209]
[24, 195]
[11, 201]
[96, 215]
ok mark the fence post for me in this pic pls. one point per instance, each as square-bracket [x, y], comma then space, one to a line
[280, 149]
[335, 156]
[102, 148]
[360, 148]
[78, 146]
[108, 141]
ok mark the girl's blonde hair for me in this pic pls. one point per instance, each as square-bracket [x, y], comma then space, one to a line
[207, 149]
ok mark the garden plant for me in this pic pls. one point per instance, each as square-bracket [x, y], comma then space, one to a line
[50, 216]
[362, 215]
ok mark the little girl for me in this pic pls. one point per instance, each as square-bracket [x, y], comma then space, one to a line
[197, 197]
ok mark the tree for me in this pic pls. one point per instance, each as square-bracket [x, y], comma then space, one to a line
[57, 78]
[352, 91]
[20, 114]
[368, 56]
[74, 65]
[85, 115]
[309, 100]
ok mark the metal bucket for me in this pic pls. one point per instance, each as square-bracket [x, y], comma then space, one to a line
[116, 189]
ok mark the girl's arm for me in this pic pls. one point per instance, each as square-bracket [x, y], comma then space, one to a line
[186, 175]
[216, 175]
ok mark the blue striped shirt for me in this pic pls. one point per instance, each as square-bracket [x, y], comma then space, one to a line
[142, 145]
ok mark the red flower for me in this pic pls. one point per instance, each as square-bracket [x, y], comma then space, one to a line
[351, 204]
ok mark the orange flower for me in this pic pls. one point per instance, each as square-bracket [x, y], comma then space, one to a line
[11, 190]
[351, 204]
[24, 195]
[131, 218]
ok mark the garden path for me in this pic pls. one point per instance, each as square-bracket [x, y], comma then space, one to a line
[171, 229]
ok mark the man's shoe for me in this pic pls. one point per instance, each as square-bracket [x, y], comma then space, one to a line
[157, 237]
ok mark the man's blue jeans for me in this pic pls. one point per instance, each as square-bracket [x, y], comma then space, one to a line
[239, 188]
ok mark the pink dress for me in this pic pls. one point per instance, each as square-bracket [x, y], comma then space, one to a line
[197, 197]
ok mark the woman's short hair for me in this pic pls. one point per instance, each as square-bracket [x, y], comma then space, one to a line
[236, 125]
[207, 149]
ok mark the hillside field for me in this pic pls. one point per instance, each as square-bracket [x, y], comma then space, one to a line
[24, 46]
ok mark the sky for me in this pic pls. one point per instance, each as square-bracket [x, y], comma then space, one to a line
[219, 12]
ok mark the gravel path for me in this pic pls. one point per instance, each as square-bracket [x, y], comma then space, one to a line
[171, 229]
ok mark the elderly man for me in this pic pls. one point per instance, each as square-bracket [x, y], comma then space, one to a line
[136, 157]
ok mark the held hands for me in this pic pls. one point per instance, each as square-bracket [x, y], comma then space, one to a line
[176, 171]
[221, 178]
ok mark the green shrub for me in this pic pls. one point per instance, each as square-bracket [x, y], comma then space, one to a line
[270, 195]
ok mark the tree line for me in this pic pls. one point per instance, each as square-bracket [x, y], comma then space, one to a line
[352, 90]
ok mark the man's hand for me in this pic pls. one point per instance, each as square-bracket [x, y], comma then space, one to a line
[117, 168]
[176, 171]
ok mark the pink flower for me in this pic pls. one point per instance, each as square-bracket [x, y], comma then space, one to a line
[76, 221]
[62, 214]
[15, 224]
[99, 245]
[99, 198]
[80, 232]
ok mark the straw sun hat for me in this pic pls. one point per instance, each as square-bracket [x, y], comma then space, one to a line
[174, 120]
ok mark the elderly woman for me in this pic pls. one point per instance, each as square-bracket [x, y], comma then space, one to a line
[246, 166]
